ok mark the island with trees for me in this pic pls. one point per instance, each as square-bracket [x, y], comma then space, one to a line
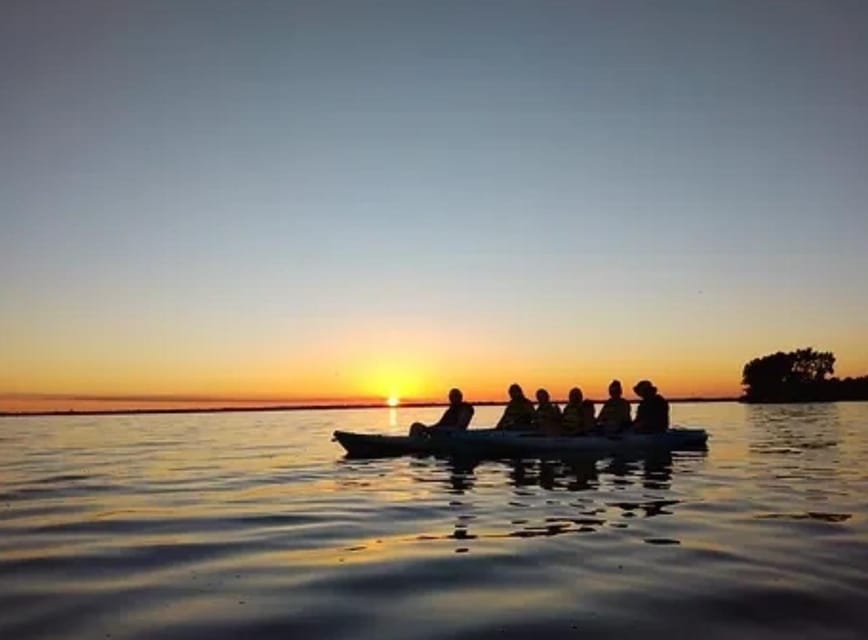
[802, 375]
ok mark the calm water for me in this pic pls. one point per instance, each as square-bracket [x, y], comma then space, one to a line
[254, 526]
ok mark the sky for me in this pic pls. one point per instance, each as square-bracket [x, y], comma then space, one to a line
[253, 202]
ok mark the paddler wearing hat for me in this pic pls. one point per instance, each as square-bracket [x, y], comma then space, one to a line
[652, 414]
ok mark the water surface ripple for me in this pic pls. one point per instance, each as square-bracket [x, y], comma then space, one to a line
[254, 525]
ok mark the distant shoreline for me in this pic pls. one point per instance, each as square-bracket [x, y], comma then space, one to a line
[269, 408]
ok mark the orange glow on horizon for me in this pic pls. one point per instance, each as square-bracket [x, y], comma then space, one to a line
[436, 391]
[404, 368]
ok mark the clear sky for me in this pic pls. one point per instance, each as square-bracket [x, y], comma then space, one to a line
[294, 200]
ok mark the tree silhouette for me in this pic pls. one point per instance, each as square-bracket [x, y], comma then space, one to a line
[799, 376]
[812, 366]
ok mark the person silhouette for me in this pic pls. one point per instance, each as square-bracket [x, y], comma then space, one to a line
[519, 412]
[652, 414]
[456, 417]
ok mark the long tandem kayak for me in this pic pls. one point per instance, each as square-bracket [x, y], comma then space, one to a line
[496, 443]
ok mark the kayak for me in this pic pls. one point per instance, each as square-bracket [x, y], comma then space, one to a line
[510, 444]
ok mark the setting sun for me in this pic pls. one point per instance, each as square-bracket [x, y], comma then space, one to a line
[393, 401]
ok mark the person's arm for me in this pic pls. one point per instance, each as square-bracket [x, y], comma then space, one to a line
[640, 414]
[587, 412]
[441, 420]
[601, 416]
[531, 419]
[465, 417]
[625, 418]
[503, 419]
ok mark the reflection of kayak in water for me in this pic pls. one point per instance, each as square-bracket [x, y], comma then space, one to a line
[495, 443]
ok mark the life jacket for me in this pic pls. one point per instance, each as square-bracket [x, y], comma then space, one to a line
[615, 412]
[572, 419]
[518, 415]
[548, 417]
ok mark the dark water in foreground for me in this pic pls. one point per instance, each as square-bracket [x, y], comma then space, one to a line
[254, 526]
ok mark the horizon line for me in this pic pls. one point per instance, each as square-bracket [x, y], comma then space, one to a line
[304, 407]
[263, 399]
[175, 397]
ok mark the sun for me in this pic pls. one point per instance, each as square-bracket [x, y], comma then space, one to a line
[393, 401]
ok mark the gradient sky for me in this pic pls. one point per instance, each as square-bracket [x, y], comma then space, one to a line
[341, 200]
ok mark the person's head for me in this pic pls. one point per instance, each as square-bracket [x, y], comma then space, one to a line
[576, 395]
[615, 390]
[542, 396]
[515, 392]
[455, 396]
[644, 389]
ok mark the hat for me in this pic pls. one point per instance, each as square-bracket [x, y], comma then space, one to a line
[644, 386]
